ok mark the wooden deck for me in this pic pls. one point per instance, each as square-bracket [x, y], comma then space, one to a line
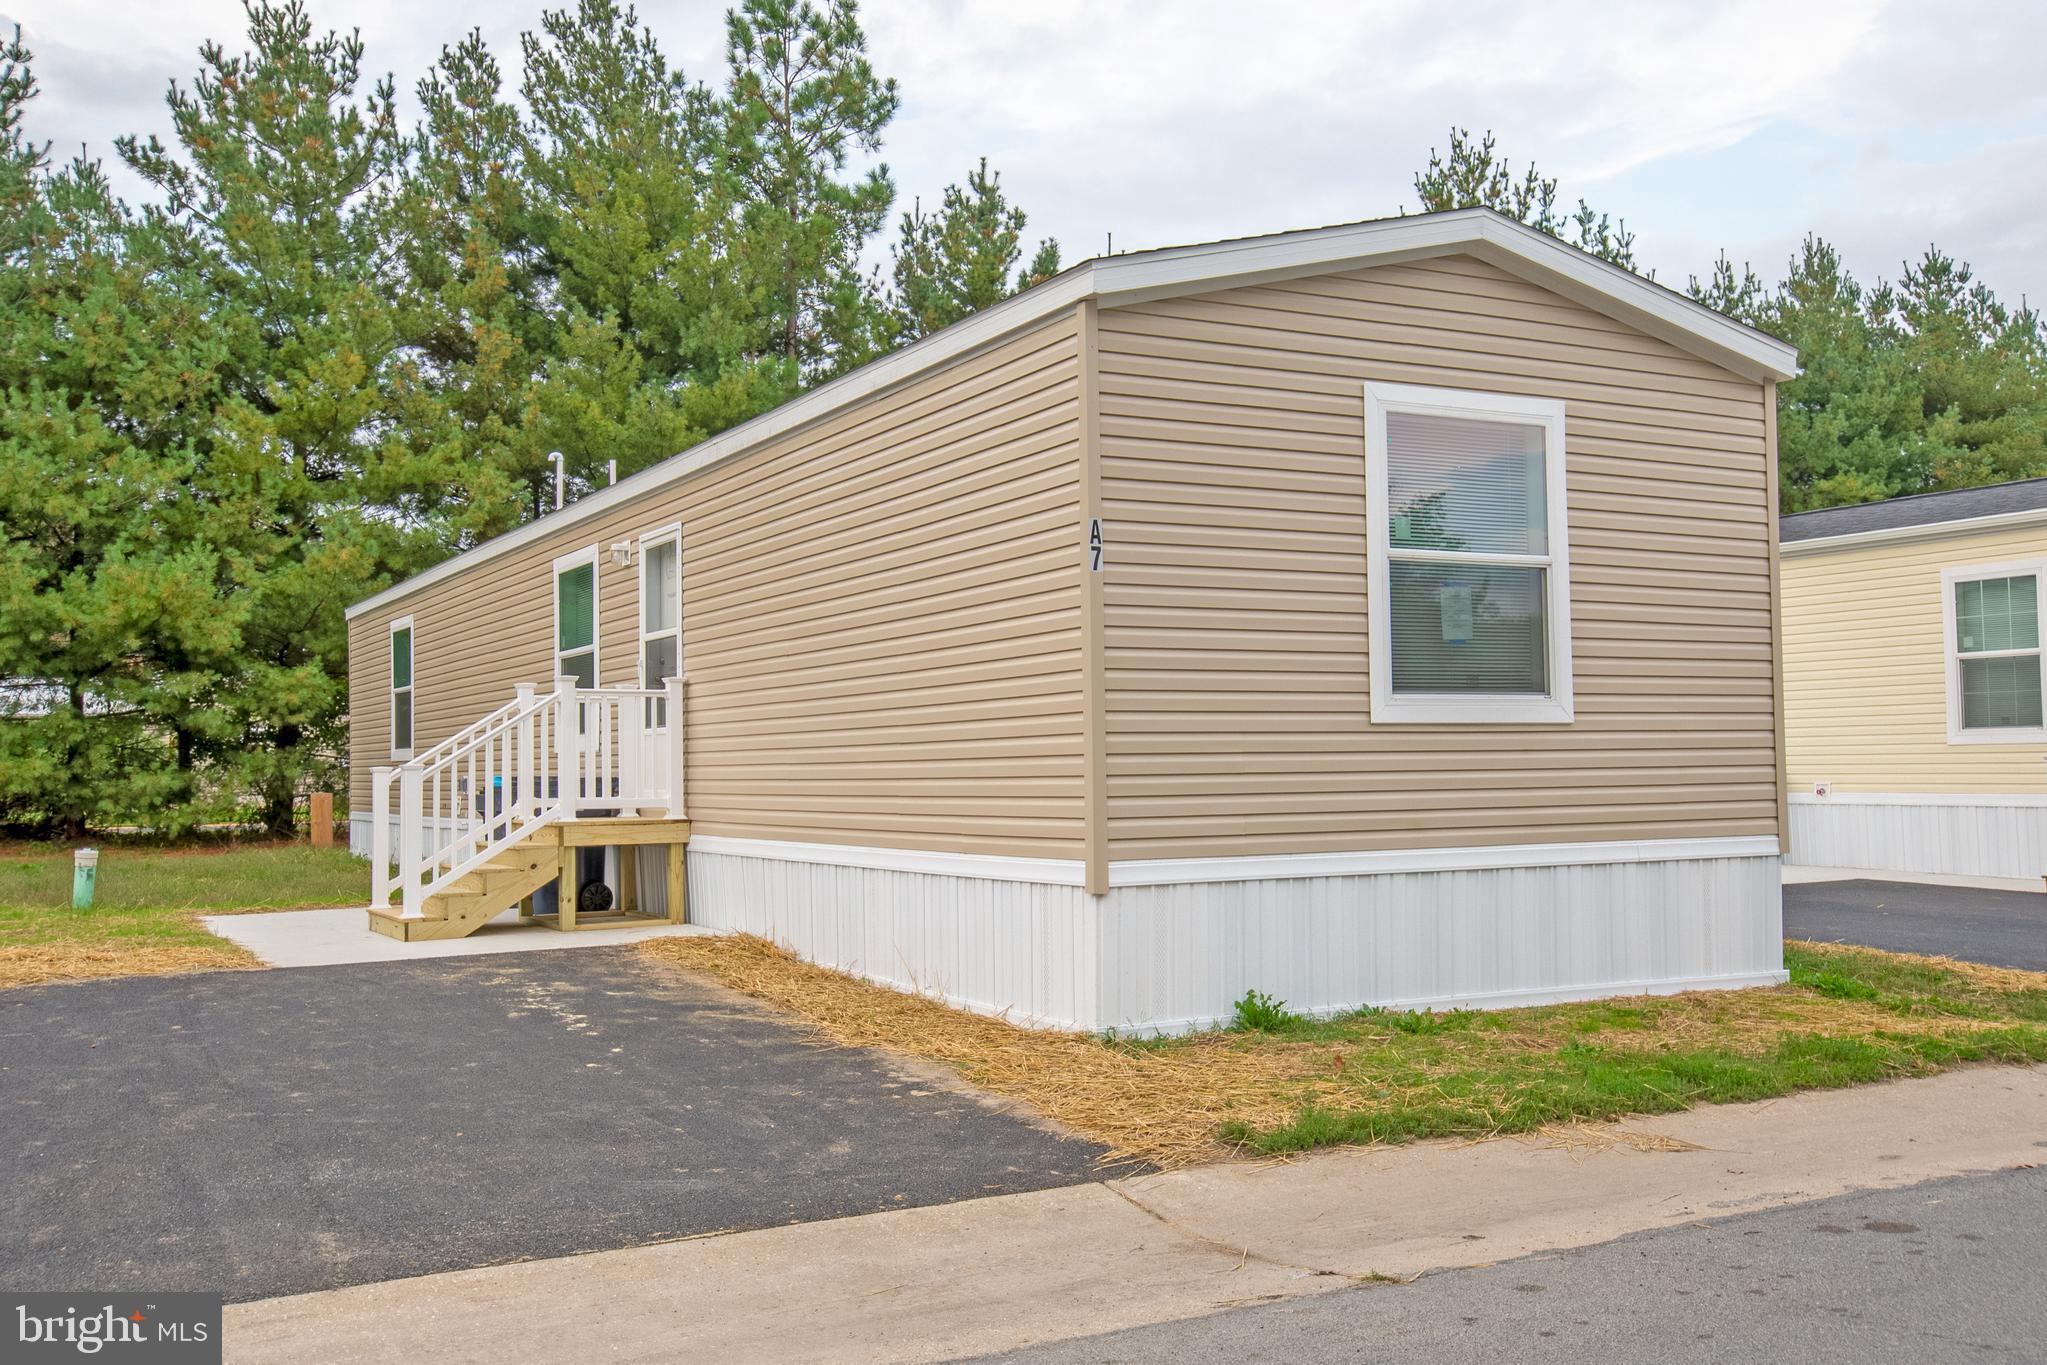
[549, 855]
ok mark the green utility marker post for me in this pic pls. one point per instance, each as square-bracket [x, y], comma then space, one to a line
[85, 869]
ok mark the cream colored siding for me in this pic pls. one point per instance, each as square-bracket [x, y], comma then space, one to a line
[881, 620]
[1865, 669]
[1233, 485]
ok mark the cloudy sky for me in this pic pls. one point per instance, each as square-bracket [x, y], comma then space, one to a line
[1735, 123]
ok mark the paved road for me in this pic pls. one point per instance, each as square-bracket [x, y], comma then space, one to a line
[2003, 928]
[1945, 1271]
[265, 1133]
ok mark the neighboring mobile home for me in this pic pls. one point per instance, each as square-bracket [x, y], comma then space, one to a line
[1042, 665]
[1912, 683]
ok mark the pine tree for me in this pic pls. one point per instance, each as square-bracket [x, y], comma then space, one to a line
[636, 223]
[1928, 384]
[470, 294]
[960, 260]
[800, 99]
[109, 625]
[1471, 175]
[274, 194]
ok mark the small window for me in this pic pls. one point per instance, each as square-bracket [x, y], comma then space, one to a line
[401, 687]
[1469, 581]
[1994, 688]
[575, 617]
[660, 614]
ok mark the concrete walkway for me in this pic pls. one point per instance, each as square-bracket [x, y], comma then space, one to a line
[996, 1274]
[327, 938]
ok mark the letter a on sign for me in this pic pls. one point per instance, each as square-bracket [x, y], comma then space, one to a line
[1094, 545]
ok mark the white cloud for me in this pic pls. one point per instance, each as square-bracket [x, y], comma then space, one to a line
[1742, 123]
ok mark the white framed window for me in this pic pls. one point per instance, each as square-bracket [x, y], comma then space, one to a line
[401, 687]
[1992, 618]
[575, 616]
[1467, 559]
[660, 613]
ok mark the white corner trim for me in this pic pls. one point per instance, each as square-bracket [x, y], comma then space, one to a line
[1277, 866]
[1557, 706]
[1897, 535]
[2000, 800]
[988, 867]
[1520, 250]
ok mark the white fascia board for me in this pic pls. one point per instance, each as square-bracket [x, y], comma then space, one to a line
[1685, 323]
[1904, 535]
[1169, 271]
[984, 328]
[1520, 250]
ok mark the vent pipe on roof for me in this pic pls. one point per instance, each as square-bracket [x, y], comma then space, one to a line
[556, 456]
[614, 471]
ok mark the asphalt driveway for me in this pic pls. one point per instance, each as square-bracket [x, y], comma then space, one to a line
[2002, 928]
[265, 1133]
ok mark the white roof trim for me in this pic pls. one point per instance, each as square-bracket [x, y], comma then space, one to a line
[1932, 530]
[1520, 250]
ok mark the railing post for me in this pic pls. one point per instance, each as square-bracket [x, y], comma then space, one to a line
[522, 803]
[411, 828]
[567, 769]
[675, 719]
[632, 715]
[380, 837]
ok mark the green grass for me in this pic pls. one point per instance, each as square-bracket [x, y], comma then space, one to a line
[144, 915]
[1848, 1016]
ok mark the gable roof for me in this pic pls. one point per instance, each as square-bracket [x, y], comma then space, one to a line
[1917, 515]
[1163, 272]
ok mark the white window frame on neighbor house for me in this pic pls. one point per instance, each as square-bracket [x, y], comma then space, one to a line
[403, 623]
[1950, 580]
[671, 534]
[573, 560]
[1556, 705]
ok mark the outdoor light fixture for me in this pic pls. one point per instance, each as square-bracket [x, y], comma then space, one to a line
[621, 552]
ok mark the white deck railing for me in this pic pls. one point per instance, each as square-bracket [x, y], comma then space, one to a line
[534, 761]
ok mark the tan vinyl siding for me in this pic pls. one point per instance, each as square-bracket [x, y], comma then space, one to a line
[881, 618]
[1865, 669]
[1233, 484]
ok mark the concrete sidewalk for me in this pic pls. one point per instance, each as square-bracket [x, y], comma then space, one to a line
[329, 938]
[994, 1274]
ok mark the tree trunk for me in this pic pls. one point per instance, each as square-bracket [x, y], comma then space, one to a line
[280, 800]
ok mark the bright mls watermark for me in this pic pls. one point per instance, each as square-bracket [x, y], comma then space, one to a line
[166, 1329]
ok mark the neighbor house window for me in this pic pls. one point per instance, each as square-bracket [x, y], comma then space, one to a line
[401, 687]
[660, 613]
[1468, 574]
[1993, 615]
[575, 617]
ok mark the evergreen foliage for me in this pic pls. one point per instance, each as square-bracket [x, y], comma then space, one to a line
[330, 351]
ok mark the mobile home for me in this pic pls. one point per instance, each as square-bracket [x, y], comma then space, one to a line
[1912, 683]
[1379, 613]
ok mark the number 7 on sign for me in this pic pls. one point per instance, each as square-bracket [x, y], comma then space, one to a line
[1094, 545]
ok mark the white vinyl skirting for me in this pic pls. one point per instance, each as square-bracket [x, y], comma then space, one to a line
[1971, 836]
[1176, 955]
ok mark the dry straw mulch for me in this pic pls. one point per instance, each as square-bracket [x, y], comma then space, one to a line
[44, 963]
[1164, 1104]
[1161, 1106]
